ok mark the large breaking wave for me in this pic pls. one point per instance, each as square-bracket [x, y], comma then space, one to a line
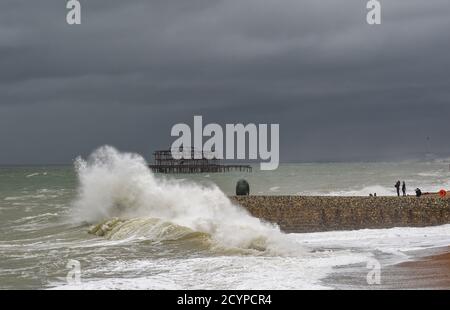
[118, 192]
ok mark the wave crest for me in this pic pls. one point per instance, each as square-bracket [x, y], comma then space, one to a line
[143, 228]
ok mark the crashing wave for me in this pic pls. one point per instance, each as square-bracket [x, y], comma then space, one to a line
[119, 191]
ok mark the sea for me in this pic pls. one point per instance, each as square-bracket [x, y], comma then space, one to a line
[108, 222]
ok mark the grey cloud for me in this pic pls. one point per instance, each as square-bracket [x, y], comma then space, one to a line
[340, 89]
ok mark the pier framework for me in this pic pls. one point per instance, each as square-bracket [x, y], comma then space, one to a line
[197, 162]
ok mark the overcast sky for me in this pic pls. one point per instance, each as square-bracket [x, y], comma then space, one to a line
[339, 88]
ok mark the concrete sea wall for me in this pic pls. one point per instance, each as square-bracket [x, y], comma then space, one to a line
[310, 214]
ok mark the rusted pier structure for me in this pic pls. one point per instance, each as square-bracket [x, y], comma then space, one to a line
[197, 162]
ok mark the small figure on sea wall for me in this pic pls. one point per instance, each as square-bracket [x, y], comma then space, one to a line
[242, 188]
[397, 187]
[404, 189]
[418, 192]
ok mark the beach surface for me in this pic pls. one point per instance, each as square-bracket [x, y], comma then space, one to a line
[427, 269]
[427, 272]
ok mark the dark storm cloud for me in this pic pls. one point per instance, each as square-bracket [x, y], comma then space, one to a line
[340, 89]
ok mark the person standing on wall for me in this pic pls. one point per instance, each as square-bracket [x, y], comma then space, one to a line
[397, 186]
[404, 189]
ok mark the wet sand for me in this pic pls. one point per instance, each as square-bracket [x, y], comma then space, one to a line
[427, 272]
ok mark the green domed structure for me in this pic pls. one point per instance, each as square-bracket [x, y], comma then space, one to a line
[242, 188]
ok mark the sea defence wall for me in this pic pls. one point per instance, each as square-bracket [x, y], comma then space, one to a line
[311, 214]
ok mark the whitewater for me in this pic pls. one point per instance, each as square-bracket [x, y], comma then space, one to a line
[120, 189]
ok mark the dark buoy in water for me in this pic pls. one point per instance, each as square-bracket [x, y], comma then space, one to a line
[242, 188]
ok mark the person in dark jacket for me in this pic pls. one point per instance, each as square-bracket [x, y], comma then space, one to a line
[418, 192]
[397, 186]
[404, 189]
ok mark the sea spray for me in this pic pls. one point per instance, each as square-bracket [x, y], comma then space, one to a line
[114, 185]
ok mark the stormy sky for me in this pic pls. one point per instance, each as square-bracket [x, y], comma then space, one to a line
[340, 89]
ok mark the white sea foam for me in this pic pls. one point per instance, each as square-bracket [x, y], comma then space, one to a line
[32, 175]
[222, 272]
[365, 191]
[44, 216]
[398, 240]
[333, 249]
[12, 198]
[430, 174]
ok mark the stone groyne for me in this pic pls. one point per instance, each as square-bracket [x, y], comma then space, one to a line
[309, 214]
